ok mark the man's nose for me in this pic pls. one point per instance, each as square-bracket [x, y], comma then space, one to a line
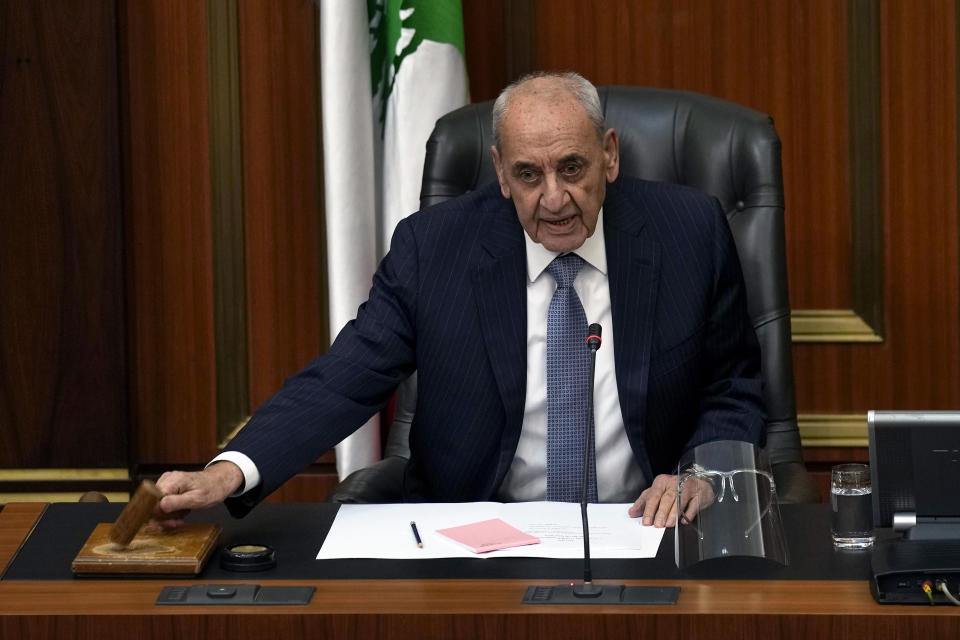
[554, 195]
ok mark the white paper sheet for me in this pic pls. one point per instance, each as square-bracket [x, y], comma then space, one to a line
[383, 530]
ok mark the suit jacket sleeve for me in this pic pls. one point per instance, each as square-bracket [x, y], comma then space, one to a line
[338, 391]
[731, 398]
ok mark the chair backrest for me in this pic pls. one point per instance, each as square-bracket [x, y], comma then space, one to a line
[721, 148]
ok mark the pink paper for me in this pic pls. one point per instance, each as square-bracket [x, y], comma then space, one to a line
[488, 535]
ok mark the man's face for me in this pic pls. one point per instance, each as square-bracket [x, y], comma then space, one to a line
[554, 167]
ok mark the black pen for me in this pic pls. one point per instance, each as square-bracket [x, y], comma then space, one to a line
[416, 534]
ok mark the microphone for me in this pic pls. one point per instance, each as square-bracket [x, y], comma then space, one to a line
[593, 341]
[587, 592]
[588, 589]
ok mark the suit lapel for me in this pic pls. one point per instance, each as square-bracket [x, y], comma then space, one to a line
[499, 283]
[633, 265]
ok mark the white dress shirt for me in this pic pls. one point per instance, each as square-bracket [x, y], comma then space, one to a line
[619, 477]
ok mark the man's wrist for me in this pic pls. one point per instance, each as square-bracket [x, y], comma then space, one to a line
[228, 475]
[251, 476]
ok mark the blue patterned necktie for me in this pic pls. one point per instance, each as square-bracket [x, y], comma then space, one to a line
[568, 381]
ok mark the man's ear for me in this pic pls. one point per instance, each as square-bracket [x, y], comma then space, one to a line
[611, 155]
[504, 188]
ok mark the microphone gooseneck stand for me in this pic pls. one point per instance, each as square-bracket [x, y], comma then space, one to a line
[587, 592]
[587, 589]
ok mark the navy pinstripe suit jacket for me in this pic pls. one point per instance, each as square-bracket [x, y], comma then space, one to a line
[449, 301]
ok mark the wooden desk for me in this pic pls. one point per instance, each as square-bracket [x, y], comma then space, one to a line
[461, 609]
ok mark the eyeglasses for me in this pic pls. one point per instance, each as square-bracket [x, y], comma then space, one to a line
[711, 487]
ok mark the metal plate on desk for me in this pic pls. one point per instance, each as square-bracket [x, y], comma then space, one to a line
[609, 594]
[234, 595]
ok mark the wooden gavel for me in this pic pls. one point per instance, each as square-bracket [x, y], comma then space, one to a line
[136, 514]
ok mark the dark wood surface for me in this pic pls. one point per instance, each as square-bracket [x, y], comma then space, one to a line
[917, 366]
[286, 319]
[484, 34]
[62, 342]
[169, 248]
[785, 59]
[451, 608]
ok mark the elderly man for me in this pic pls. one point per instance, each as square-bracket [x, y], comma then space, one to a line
[488, 297]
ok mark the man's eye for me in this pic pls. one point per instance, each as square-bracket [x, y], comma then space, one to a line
[527, 175]
[570, 170]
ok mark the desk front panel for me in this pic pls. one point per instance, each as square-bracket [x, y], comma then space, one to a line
[450, 608]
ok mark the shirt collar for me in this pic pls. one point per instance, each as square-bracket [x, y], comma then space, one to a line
[593, 251]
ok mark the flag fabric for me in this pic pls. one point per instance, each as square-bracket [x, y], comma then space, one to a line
[349, 193]
[389, 69]
[418, 73]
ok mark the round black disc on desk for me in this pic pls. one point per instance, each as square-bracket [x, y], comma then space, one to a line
[248, 557]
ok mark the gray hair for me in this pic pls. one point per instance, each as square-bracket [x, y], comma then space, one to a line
[578, 86]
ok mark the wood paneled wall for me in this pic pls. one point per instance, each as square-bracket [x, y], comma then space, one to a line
[282, 185]
[109, 239]
[918, 364]
[177, 342]
[169, 236]
[63, 369]
[282, 190]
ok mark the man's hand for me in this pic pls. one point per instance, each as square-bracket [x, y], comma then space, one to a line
[658, 502]
[183, 491]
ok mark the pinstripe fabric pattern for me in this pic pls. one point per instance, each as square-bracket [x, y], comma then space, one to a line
[568, 386]
[687, 357]
[449, 300]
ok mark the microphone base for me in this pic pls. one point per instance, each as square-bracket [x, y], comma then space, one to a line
[605, 594]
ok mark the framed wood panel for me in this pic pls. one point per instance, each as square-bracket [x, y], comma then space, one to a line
[169, 233]
[785, 59]
[917, 366]
[226, 196]
[281, 185]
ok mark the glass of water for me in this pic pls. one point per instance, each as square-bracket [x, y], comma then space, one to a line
[851, 523]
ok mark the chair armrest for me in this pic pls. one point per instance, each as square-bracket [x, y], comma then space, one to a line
[381, 482]
[794, 484]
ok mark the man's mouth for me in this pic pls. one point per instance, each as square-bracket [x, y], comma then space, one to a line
[559, 224]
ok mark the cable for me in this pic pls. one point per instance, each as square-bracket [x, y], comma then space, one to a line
[928, 589]
[942, 587]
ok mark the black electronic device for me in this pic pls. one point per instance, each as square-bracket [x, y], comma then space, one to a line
[914, 459]
[915, 462]
[900, 568]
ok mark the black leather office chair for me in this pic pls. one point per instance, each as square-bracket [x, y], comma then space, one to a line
[719, 147]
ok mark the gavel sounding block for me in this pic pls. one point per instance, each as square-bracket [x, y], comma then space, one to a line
[125, 547]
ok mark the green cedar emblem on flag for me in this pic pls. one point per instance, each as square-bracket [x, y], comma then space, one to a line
[436, 20]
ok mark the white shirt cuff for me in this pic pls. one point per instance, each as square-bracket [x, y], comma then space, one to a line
[251, 476]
